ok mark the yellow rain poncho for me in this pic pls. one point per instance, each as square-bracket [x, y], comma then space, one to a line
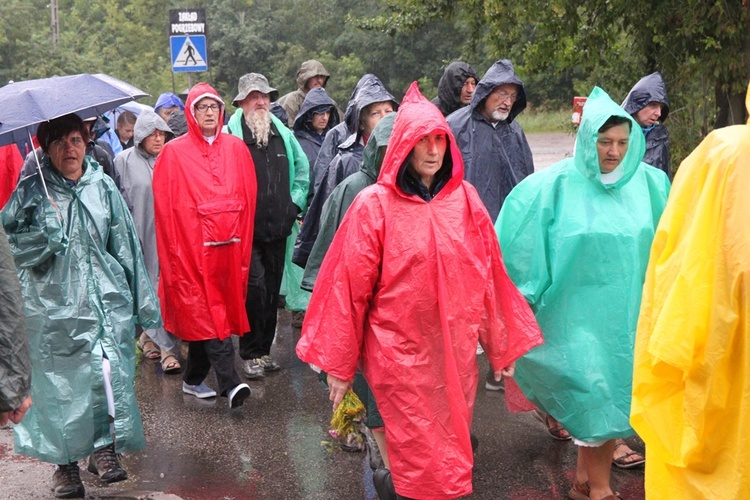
[691, 384]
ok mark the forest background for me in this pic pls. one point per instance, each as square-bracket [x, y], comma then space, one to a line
[560, 48]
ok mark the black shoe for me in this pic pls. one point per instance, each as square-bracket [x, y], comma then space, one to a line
[105, 464]
[238, 395]
[383, 483]
[66, 481]
[474, 442]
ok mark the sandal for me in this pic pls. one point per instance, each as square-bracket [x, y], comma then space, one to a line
[581, 491]
[623, 462]
[555, 430]
[170, 367]
[150, 350]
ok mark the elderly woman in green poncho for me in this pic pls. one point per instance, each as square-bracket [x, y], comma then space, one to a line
[84, 286]
[576, 240]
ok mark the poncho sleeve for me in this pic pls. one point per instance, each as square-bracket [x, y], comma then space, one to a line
[124, 246]
[522, 230]
[35, 231]
[334, 325]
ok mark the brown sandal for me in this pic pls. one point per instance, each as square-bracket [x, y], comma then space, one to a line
[556, 431]
[623, 462]
[150, 351]
[170, 367]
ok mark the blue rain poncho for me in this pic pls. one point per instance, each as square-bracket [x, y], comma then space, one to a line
[84, 287]
[578, 249]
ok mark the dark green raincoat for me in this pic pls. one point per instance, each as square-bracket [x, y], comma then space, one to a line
[84, 286]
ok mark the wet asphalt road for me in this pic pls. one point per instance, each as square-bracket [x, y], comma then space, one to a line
[270, 448]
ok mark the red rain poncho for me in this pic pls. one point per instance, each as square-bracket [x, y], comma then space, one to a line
[204, 203]
[10, 168]
[407, 289]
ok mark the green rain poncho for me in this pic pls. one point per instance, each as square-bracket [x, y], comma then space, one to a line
[84, 286]
[578, 249]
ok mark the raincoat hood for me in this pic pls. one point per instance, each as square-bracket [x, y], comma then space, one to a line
[145, 124]
[374, 153]
[650, 88]
[369, 90]
[316, 101]
[500, 73]
[198, 92]
[309, 69]
[177, 123]
[168, 100]
[597, 110]
[450, 85]
[417, 118]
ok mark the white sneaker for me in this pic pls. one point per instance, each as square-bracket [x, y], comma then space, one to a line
[238, 395]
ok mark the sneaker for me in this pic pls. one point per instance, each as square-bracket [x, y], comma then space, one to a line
[238, 395]
[268, 363]
[253, 369]
[200, 391]
[66, 481]
[105, 463]
[493, 385]
[373, 452]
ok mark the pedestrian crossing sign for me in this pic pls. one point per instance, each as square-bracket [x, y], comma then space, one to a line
[188, 53]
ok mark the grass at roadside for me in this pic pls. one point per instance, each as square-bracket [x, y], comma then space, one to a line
[535, 122]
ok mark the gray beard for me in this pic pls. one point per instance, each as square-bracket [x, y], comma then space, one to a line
[259, 124]
[498, 116]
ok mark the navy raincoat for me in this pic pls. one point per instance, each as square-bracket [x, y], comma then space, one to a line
[344, 164]
[316, 101]
[451, 83]
[649, 89]
[496, 158]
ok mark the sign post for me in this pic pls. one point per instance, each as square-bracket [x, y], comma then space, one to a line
[187, 40]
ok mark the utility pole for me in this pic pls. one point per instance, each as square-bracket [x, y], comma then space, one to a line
[54, 23]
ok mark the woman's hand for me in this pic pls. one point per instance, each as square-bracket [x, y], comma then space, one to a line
[337, 389]
[506, 372]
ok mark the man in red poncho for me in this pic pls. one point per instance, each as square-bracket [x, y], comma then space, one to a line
[413, 279]
[204, 203]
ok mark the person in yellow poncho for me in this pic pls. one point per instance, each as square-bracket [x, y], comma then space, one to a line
[691, 382]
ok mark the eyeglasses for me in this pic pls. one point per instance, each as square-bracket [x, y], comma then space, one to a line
[205, 107]
[505, 96]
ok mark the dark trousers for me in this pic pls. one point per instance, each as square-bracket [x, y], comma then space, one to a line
[204, 354]
[266, 271]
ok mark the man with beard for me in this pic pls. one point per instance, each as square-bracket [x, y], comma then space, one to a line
[282, 173]
[493, 146]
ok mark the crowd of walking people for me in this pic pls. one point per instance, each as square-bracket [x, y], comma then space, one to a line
[408, 237]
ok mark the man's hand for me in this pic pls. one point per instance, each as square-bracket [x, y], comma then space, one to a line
[16, 415]
[337, 389]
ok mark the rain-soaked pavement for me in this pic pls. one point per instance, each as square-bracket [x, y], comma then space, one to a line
[271, 448]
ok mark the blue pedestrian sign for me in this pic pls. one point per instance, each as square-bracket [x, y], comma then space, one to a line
[188, 53]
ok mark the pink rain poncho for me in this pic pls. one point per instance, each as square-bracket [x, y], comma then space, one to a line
[406, 290]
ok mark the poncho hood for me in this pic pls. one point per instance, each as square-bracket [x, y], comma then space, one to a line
[597, 110]
[450, 85]
[500, 73]
[198, 92]
[316, 101]
[650, 88]
[369, 90]
[168, 100]
[417, 118]
[309, 69]
[374, 153]
[145, 124]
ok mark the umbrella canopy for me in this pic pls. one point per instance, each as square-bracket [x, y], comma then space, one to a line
[24, 105]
